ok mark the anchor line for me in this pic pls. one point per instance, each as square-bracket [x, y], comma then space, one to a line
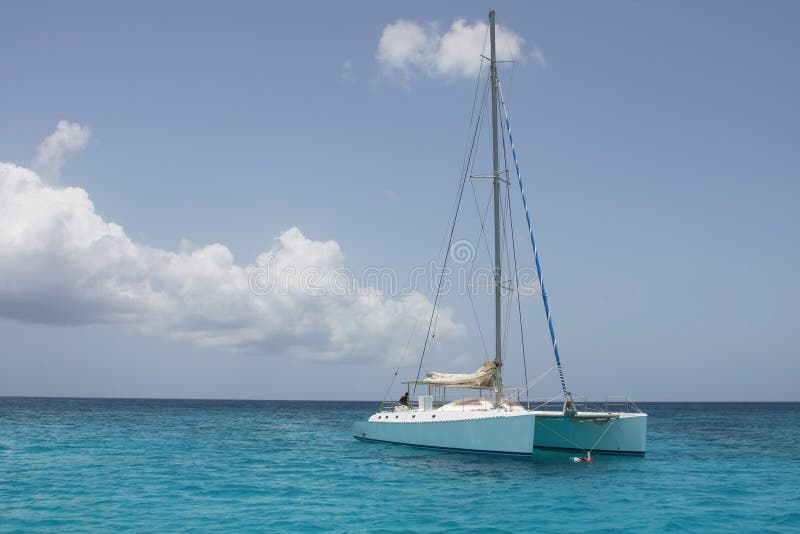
[577, 445]
[603, 434]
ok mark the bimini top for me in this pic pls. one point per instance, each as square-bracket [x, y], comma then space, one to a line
[482, 378]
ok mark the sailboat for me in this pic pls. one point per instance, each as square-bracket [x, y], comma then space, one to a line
[492, 418]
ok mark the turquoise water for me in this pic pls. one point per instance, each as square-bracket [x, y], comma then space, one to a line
[150, 465]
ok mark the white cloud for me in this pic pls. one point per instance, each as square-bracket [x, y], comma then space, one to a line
[408, 48]
[68, 138]
[62, 263]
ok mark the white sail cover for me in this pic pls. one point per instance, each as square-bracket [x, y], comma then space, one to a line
[483, 377]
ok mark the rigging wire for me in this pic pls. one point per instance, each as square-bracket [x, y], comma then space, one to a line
[535, 252]
[516, 271]
[505, 212]
[454, 214]
[467, 166]
[402, 355]
[478, 80]
[476, 119]
[435, 324]
[391, 385]
[469, 292]
[439, 285]
[472, 126]
[505, 209]
[466, 170]
[481, 212]
[472, 184]
[465, 174]
[481, 236]
[519, 304]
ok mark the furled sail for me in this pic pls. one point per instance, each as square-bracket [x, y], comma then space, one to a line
[483, 377]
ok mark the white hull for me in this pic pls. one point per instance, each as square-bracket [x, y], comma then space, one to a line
[491, 431]
[623, 433]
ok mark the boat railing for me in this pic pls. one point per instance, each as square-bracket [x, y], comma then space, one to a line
[612, 404]
[389, 406]
[621, 403]
[554, 404]
[446, 395]
[442, 395]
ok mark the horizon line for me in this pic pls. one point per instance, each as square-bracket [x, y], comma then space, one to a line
[63, 397]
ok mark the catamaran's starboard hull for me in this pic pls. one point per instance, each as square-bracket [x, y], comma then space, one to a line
[510, 433]
[625, 434]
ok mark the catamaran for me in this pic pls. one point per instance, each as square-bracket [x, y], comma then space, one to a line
[492, 418]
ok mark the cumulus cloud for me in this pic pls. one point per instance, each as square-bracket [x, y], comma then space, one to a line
[408, 48]
[54, 150]
[62, 263]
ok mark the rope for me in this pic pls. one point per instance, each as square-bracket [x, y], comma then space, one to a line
[389, 389]
[613, 420]
[516, 273]
[577, 445]
[537, 380]
[565, 438]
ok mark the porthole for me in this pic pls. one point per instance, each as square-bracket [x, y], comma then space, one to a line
[413, 416]
[433, 416]
[396, 416]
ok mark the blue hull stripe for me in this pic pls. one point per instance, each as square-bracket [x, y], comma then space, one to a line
[594, 451]
[433, 447]
[504, 453]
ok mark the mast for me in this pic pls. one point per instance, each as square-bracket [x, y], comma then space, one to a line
[498, 358]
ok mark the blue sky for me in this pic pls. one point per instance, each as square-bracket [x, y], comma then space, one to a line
[658, 142]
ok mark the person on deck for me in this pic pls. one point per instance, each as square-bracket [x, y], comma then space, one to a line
[404, 399]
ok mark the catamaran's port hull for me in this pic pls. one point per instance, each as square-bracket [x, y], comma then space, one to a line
[507, 434]
[622, 434]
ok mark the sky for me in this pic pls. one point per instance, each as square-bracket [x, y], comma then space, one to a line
[156, 159]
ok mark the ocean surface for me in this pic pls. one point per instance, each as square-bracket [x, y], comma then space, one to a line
[74, 465]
